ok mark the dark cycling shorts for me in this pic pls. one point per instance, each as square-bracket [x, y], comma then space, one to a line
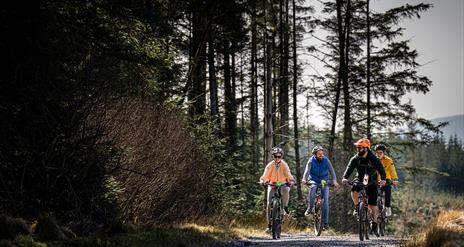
[371, 191]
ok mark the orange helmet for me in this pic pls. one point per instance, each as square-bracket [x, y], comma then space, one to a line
[363, 143]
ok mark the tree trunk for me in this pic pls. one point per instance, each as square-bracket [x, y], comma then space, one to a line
[268, 135]
[283, 96]
[197, 89]
[229, 94]
[233, 102]
[213, 88]
[341, 63]
[254, 124]
[242, 114]
[274, 80]
[368, 73]
[347, 131]
[295, 106]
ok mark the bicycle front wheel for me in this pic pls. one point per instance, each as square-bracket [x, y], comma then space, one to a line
[361, 225]
[366, 221]
[276, 219]
[317, 218]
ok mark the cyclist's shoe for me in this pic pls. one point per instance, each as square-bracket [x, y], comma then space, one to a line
[286, 210]
[388, 211]
[374, 229]
[326, 227]
[355, 211]
[308, 212]
[268, 229]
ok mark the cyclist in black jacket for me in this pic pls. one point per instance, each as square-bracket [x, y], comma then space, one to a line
[367, 165]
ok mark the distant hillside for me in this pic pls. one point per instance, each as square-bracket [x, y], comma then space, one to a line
[455, 126]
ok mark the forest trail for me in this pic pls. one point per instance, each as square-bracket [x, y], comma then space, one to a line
[302, 240]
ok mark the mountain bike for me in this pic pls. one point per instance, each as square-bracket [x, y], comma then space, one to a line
[382, 219]
[277, 209]
[363, 211]
[317, 216]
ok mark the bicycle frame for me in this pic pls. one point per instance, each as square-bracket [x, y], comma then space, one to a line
[382, 219]
[276, 215]
[317, 216]
[363, 212]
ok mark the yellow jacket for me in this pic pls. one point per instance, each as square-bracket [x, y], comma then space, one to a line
[390, 170]
[277, 172]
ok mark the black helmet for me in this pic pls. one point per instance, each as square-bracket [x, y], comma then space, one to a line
[380, 147]
[317, 148]
[277, 150]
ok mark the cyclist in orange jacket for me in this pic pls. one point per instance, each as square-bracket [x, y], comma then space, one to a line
[277, 171]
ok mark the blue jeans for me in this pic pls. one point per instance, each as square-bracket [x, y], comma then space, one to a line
[325, 195]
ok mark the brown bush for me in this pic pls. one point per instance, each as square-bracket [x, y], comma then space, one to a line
[48, 229]
[446, 230]
[10, 228]
[164, 175]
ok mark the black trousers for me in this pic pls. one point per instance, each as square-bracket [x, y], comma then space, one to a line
[388, 193]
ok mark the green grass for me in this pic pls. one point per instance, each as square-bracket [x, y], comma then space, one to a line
[182, 235]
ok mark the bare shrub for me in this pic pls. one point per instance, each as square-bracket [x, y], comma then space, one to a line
[164, 175]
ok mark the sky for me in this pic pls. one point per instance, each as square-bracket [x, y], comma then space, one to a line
[438, 36]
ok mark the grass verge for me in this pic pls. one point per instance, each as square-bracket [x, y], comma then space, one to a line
[446, 230]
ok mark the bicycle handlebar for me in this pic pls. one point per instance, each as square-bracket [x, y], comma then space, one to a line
[271, 184]
[319, 184]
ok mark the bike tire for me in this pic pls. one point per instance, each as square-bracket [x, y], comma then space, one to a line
[275, 219]
[317, 216]
[361, 226]
[321, 217]
[382, 222]
[366, 222]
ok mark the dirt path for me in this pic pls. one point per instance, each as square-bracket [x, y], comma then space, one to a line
[301, 240]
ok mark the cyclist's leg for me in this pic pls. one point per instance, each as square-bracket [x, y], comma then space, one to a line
[354, 196]
[371, 192]
[270, 194]
[285, 192]
[325, 211]
[354, 193]
[387, 189]
[312, 195]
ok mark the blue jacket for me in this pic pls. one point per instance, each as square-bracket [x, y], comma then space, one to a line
[319, 170]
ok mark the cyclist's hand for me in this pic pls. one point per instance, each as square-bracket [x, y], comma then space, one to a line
[395, 182]
[336, 184]
[303, 181]
[382, 183]
[261, 182]
[344, 181]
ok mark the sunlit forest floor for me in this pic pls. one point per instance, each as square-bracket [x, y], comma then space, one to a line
[422, 216]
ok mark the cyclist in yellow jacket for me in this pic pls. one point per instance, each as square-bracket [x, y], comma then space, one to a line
[392, 177]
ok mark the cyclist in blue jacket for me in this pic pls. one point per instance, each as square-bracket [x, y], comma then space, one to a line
[317, 169]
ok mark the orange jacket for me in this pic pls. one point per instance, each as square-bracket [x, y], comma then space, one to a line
[277, 172]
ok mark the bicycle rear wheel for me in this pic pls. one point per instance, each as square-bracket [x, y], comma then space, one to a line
[276, 219]
[382, 223]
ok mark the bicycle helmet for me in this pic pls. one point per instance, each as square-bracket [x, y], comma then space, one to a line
[363, 143]
[277, 150]
[317, 148]
[380, 147]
